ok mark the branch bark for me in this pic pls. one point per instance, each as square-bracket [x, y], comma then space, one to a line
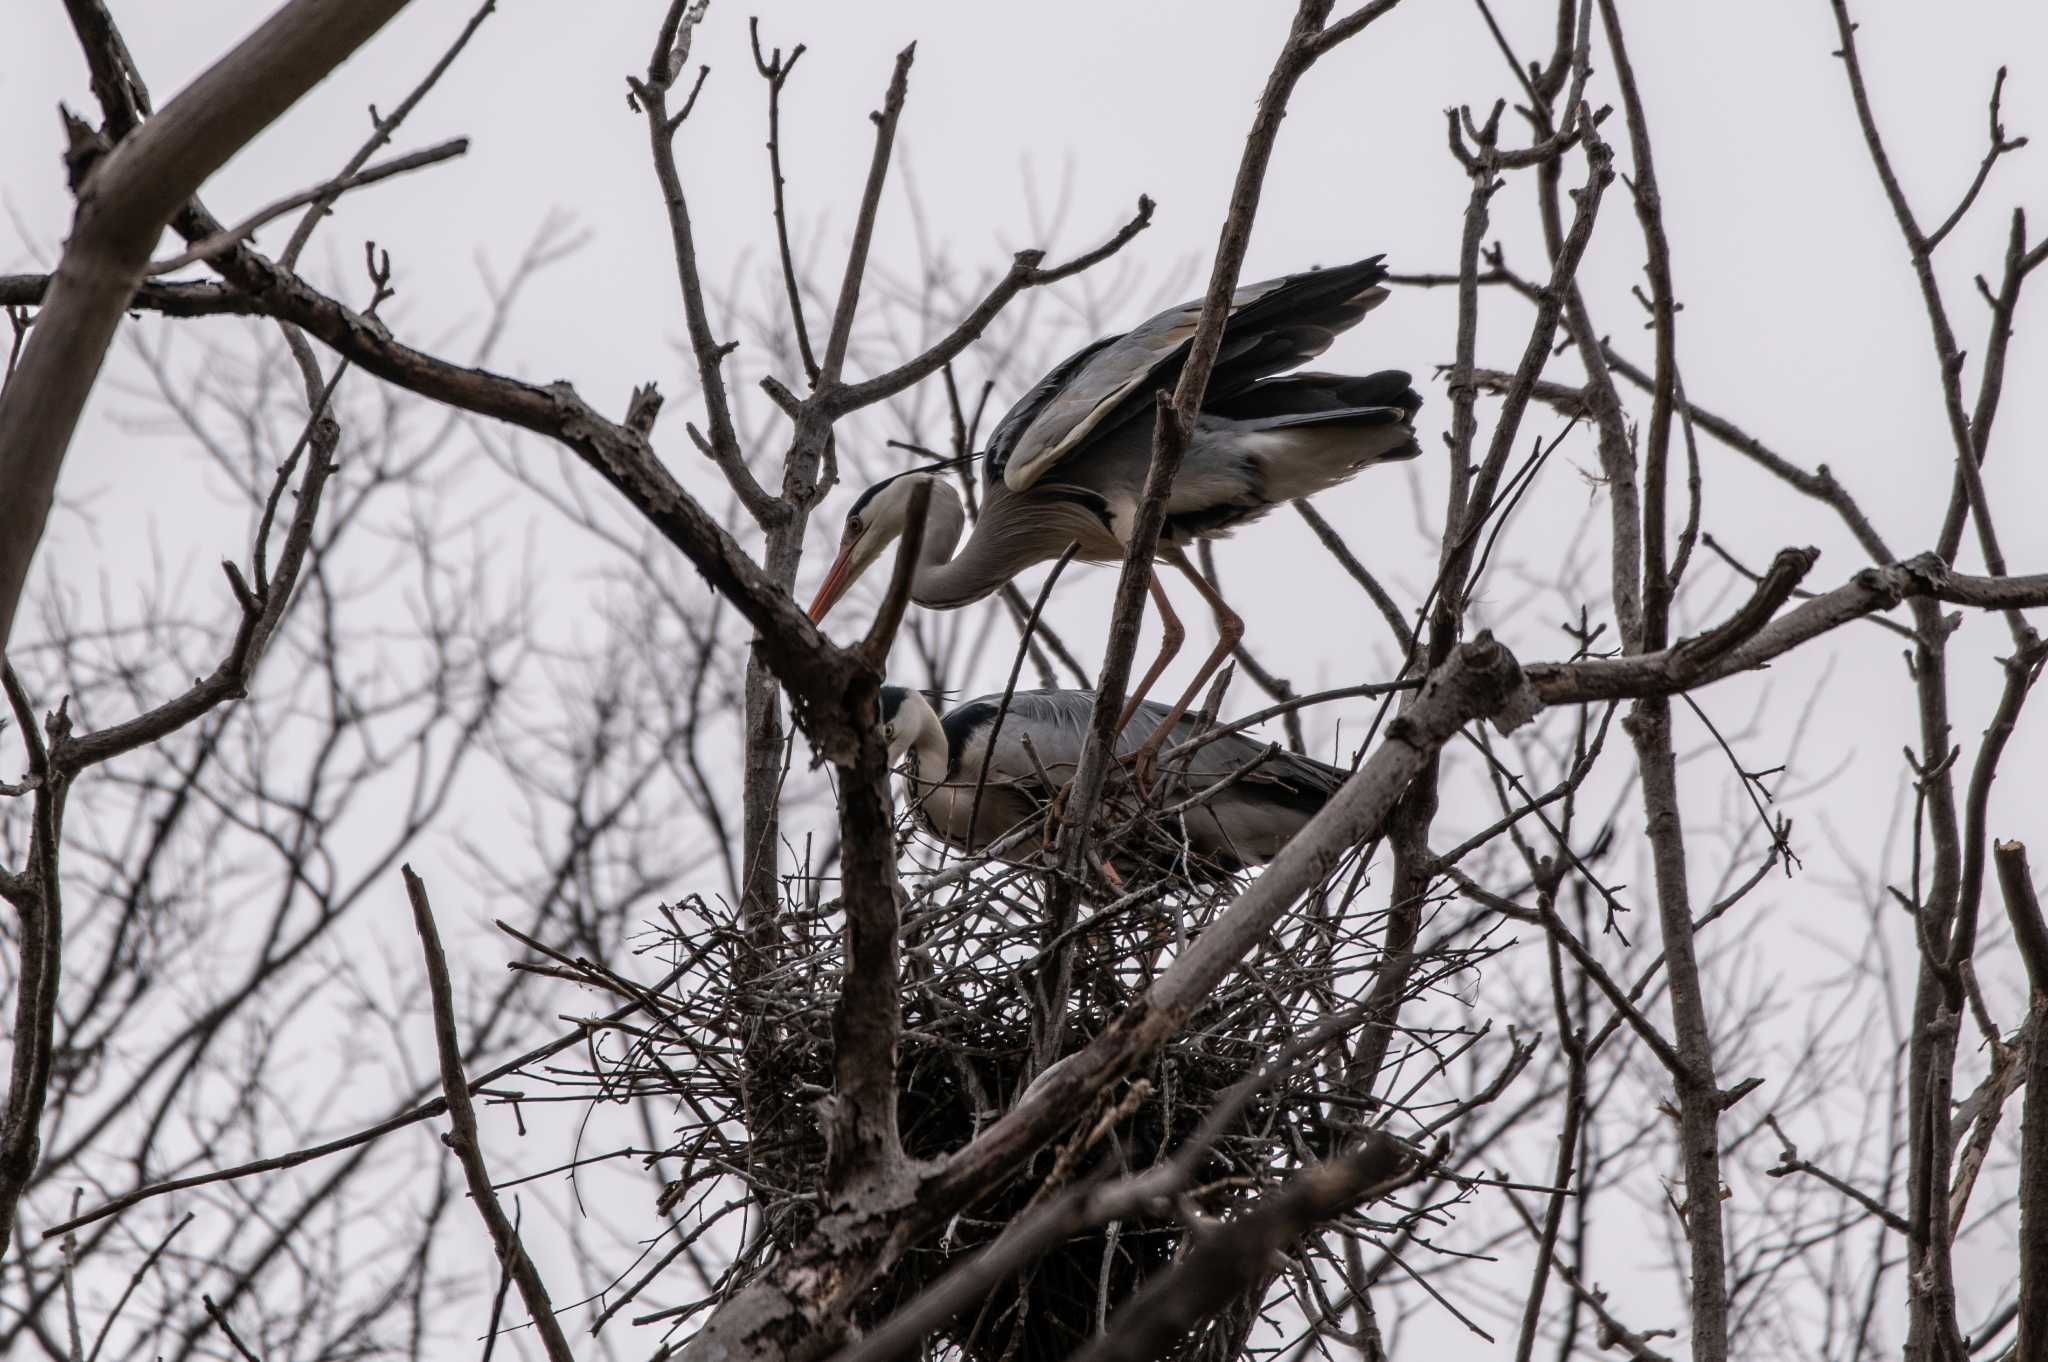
[2030, 930]
[1175, 425]
[123, 205]
[1228, 1259]
[462, 1134]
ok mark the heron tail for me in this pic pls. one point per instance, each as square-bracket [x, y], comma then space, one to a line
[1322, 399]
[1309, 432]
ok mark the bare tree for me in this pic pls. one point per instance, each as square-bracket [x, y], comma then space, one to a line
[851, 1094]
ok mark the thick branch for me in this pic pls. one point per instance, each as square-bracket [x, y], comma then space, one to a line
[127, 198]
[2030, 930]
[802, 658]
[1228, 1259]
[1869, 591]
[174, 298]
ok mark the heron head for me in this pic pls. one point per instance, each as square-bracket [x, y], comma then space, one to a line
[907, 716]
[878, 516]
[898, 735]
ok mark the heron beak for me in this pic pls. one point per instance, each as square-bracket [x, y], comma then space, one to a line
[837, 579]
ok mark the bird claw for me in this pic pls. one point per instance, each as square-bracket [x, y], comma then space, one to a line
[1143, 765]
[1144, 768]
[1056, 813]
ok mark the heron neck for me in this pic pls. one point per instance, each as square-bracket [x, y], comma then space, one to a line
[930, 764]
[941, 581]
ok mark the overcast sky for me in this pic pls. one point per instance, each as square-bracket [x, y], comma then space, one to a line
[1800, 316]
[1801, 319]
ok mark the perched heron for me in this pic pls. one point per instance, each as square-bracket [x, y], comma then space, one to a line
[1067, 464]
[1270, 793]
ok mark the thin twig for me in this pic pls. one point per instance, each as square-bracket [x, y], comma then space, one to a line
[320, 193]
[462, 1137]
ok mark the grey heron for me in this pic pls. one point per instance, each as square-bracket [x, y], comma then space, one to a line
[1270, 793]
[1067, 464]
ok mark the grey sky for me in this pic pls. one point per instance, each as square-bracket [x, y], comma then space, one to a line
[1801, 320]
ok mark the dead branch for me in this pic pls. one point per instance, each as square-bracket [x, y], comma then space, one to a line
[131, 193]
[462, 1136]
[323, 194]
[1228, 1259]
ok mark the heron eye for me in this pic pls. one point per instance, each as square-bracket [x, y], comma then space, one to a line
[853, 524]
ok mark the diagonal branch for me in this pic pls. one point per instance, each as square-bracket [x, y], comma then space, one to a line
[210, 246]
[1176, 420]
[841, 334]
[1025, 272]
[1789, 1162]
[462, 1133]
[671, 53]
[1226, 1260]
[128, 196]
[1820, 484]
[410, 1115]
[381, 133]
[2000, 145]
[775, 70]
[807, 1292]
[1869, 591]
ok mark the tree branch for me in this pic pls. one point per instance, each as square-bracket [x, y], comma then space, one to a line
[462, 1136]
[127, 198]
[671, 53]
[1226, 1260]
[1024, 273]
[323, 194]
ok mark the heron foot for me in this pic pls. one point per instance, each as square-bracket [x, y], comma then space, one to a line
[1142, 763]
[1144, 767]
[1056, 812]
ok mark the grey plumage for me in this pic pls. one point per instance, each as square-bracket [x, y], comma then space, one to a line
[1243, 824]
[1067, 465]
[1274, 325]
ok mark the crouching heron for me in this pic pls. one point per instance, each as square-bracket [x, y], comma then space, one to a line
[1268, 797]
[1067, 464]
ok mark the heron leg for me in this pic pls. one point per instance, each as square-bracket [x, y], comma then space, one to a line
[1229, 629]
[1171, 635]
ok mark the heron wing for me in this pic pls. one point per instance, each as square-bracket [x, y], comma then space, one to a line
[1054, 721]
[1279, 774]
[1056, 724]
[1018, 418]
[1273, 326]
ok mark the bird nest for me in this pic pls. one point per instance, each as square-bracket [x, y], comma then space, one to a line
[742, 1050]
